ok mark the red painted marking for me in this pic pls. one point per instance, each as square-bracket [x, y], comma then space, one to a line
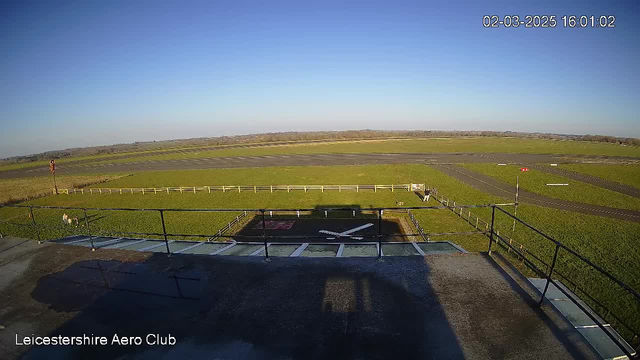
[275, 224]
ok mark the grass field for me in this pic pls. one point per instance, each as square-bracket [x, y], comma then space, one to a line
[535, 181]
[609, 243]
[623, 174]
[436, 145]
[432, 145]
[23, 188]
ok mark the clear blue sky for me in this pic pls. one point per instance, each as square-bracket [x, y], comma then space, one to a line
[80, 73]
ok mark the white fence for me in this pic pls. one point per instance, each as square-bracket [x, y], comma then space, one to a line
[237, 220]
[241, 188]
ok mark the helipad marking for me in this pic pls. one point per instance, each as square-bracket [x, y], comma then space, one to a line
[346, 233]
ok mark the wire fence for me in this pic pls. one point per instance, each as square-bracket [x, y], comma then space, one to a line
[241, 188]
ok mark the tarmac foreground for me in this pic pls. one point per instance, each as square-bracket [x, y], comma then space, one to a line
[436, 306]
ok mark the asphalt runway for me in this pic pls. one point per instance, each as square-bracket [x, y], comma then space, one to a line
[278, 160]
[444, 162]
[496, 187]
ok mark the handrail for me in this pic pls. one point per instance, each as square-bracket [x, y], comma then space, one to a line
[254, 209]
[524, 251]
[379, 211]
[573, 252]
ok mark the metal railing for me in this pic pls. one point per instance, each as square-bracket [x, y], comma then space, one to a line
[241, 188]
[525, 254]
[417, 225]
[229, 226]
[493, 236]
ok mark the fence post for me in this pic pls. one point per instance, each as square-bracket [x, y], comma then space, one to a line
[255, 189]
[86, 221]
[379, 233]
[264, 237]
[35, 226]
[164, 232]
[209, 189]
[553, 264]
[493, 217]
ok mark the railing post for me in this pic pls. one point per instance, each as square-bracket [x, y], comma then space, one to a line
[264, 237]
[379, 233]
[553, 264]
[164, 232]
[35, 226]
[86, 221]
[493, 217]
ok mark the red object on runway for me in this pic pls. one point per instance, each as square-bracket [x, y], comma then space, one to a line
[524, 169]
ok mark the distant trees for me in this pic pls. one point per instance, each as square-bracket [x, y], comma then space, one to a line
[280, 137]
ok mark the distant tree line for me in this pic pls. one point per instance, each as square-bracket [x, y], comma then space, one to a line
[313, 136]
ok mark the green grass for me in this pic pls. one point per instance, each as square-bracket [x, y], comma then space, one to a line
[535, 181]
[432, 145]
[624, 174]
[12, 190]
[100, 157]
[294, 175]
[609, 243]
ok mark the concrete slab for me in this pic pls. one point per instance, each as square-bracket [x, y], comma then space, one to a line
[437, 248]
[205, 249]
[603, 344]
[174, 246]
[122, 243]
[399, 250]
[581, 321]
[351, 250]
[87, 242]
[142, 245]
[321, 250]
[282, 249]
[440, 307]
[241, 250]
